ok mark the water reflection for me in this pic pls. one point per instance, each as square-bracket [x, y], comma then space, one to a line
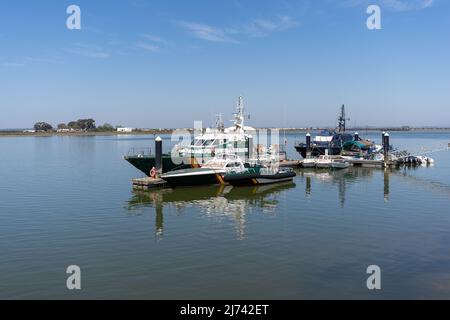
[424, 183]
[386, 184]
[234, 204]
[341, 179]
[214, 201]
[308, 186]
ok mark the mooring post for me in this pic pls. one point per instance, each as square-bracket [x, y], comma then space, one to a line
[224, 153]
[356, 136]
[382, 138]
[308, 145]
[250, 147]
[158, 155]
[386, 148]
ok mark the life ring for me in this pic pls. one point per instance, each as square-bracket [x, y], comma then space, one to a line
[153, 172]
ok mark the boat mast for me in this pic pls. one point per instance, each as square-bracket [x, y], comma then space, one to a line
[239, 115]
[219, 123]
[342, 120]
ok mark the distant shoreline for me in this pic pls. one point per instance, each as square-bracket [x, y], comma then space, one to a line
[21, 133]
[79, 133]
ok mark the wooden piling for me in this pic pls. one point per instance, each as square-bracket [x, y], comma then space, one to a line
[386, 149]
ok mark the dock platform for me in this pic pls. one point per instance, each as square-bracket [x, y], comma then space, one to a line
[366, 163]
[148, 183]
[290, 164]
[362, 162]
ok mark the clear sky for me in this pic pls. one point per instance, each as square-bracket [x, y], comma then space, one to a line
[167, 63]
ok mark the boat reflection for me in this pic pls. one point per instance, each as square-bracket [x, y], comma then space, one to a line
[214, 201]
[350, 178]
[342, 179]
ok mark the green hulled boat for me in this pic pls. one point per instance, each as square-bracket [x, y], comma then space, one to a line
[145, 163]
[259, 175]
[237, 139]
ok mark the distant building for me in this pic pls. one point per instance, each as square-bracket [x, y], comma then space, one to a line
[29, 131]
[124, 129]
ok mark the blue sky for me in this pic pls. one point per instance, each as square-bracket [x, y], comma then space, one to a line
[167, 63]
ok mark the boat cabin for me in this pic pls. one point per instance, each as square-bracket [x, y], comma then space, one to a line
[334, 139]
[230, 162]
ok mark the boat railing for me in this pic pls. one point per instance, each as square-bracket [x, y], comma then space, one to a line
[272, 170]
[139, 152]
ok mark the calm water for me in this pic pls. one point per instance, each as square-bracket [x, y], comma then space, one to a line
[68, 200]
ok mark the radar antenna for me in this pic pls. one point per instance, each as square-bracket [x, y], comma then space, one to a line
[219, 123]
[239, 115]
[342, 120]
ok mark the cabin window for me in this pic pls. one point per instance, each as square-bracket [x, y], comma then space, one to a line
[233, 165]
[208, 142]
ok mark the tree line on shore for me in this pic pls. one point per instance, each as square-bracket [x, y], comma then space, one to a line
[78, 125]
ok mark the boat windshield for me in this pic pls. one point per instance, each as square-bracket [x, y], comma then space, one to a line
[323, 139]
[211, 142]
[199, 142]
[215, 163]
[233, 165]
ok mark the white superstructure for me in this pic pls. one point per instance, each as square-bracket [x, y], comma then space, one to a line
[237, 140]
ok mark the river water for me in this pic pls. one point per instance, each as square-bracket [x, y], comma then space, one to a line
[68, 201]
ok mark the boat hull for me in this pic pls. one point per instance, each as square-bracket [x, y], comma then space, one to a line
[146, 163]
[243, 179]
[193, 177]
[309, 164]
[340, 165]
[323, 165]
